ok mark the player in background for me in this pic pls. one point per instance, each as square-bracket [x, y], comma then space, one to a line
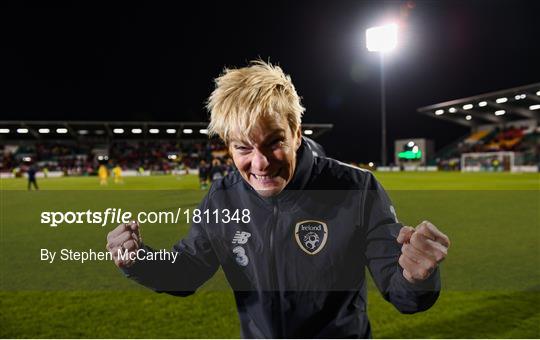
[31, 172]
[103, 174]
[117, 172]
[203, 174]
[217, 171]
[229, 166]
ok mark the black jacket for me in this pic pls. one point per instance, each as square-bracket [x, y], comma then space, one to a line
[298, 267]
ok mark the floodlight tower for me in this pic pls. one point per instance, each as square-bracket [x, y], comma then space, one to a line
[382, 39]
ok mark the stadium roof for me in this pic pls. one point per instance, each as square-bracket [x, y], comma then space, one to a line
[497, 107]
[81, 130]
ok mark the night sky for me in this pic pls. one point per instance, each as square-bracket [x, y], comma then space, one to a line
[149, 62]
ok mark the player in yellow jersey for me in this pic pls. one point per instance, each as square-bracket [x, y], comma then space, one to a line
[103, 174]
[117, 172]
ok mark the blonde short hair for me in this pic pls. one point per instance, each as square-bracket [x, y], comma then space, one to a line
[243, 96]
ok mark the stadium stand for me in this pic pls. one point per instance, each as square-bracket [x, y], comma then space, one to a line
[78, 148]
[500, 122]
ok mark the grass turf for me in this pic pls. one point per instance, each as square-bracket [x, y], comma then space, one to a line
[491, 277]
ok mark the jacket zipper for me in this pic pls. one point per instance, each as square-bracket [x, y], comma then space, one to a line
[273, 270]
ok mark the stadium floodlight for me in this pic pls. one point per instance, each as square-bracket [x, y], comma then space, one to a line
[153, 131]
[439, 112]
[371, 164]
[452, 110]
[468, 117]
[27, 159]
[501, 100]
[83, 132]
[99, 132]
[482, 104]
[538, 93]
[173, 157]
[187, 131]
[22, 130]
[44, 130]
[203, 131]
[4, 130]
[61, 130]
[467, 106]
[171, 131]
[499, 112]
[118, 131]
[382, 39]
[534, 107]
[136, 131]
[410, 144]
[308, 132]
[523, 96]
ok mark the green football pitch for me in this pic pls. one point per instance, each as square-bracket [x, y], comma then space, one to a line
[491, 278]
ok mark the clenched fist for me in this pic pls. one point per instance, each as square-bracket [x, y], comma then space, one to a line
[122, 238]
[424, 247]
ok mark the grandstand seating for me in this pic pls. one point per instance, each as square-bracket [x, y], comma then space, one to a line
[74, 158]
[520, 139]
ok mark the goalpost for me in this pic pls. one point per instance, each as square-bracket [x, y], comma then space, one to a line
[491, 161]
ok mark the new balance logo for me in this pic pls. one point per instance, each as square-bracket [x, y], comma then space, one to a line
[241, 237]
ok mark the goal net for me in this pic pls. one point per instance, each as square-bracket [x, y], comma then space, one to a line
[491, 161]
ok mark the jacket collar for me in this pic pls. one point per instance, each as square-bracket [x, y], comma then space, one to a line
[304, 166]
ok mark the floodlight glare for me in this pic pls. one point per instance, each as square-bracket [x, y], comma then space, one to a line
[154, 131]
[452, 110]
[538, 93]
[371, 164]
[4, 130]
[534, 107]
[187, 131]
[308, 132]
[482, 104]
[467, 106]
[171, 131]
[381, 38]
[501, 100]
[136, 131]
[22, 130]
[499, 112]
[468, 117]
[439, 112]
[203, 131]
[118, 131]
[61, 130]
[44, 130]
